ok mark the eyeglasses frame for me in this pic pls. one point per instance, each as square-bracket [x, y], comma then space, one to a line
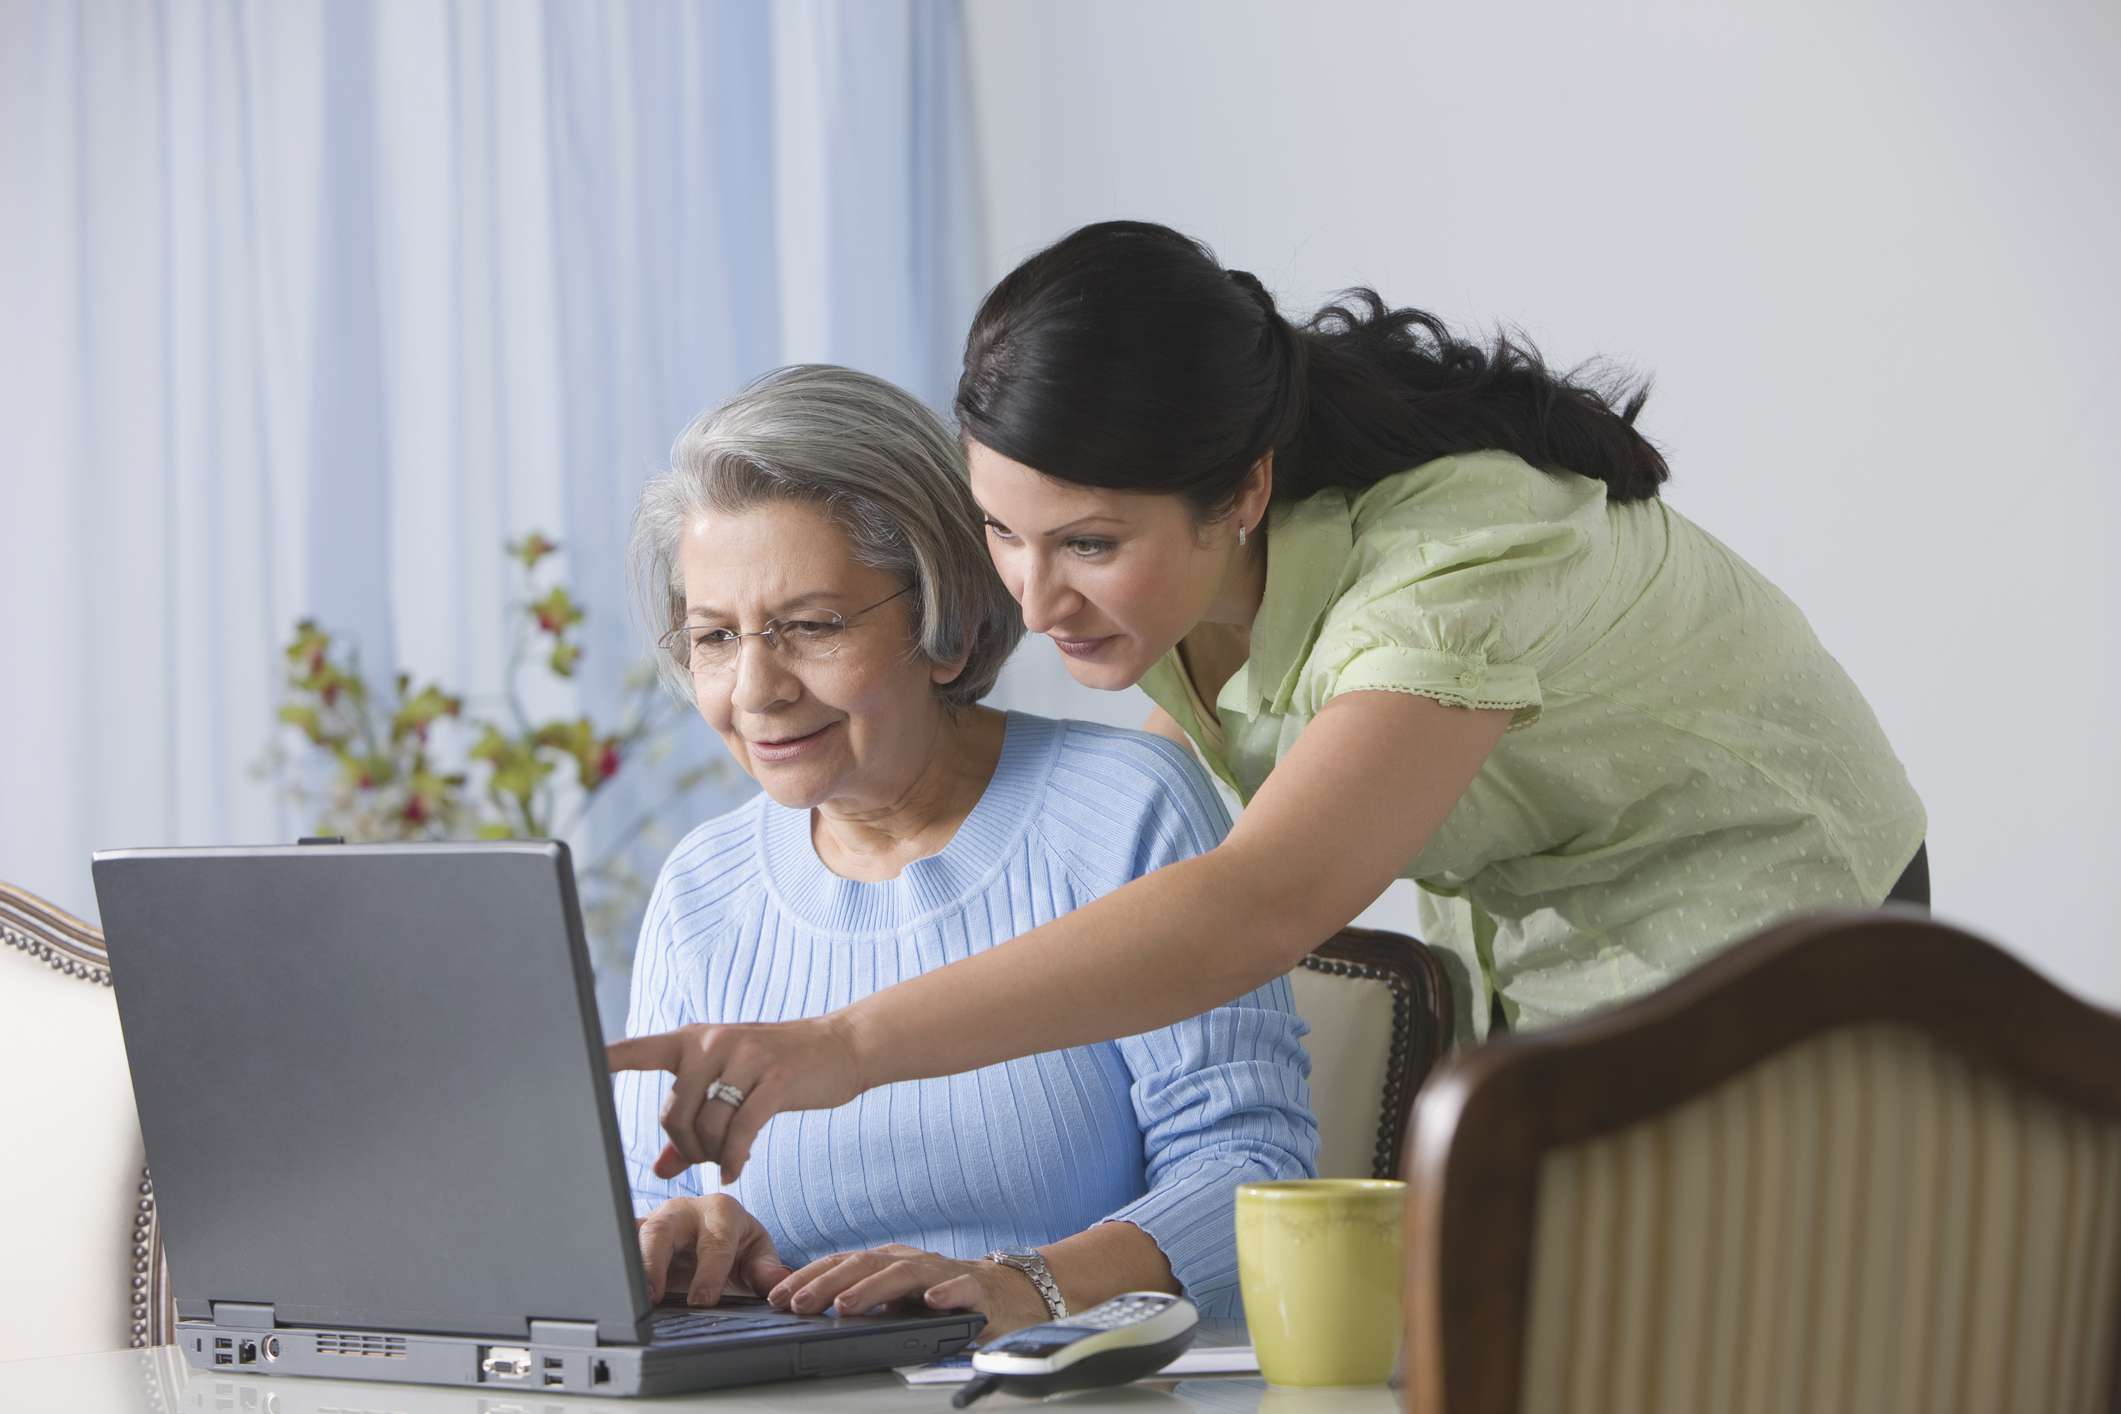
[676, 643]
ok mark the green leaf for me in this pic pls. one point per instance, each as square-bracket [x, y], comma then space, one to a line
[421, 709]
[556, 612]
[571, 737]
[521, 778]
[532, 548]
[367, 772]
[596, 759]
[297, 715]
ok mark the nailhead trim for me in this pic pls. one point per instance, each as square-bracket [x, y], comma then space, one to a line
[144, 1249]
[1395, 1102]
[56, 956]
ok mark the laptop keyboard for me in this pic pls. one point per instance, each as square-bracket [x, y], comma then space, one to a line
[675, 1326]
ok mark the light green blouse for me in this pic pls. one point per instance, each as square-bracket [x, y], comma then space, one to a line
[1687, 763]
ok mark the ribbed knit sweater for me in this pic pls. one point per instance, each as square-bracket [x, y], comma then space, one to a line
[747, 924]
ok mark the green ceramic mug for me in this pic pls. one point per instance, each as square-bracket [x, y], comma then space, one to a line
[1319, 1263]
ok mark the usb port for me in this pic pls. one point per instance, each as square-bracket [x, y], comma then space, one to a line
[554, 1362]
[222, 1357]
[553, 1379]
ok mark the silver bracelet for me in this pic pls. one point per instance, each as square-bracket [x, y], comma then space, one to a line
[1031, 1264]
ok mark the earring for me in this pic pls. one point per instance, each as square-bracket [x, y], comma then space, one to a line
[1240, 537]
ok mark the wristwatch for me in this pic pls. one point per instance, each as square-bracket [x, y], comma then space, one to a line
[1027, 1261]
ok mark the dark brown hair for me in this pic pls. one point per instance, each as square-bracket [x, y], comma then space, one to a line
[1124, 356]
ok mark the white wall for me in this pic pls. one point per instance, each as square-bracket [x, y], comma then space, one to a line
[1866, 252]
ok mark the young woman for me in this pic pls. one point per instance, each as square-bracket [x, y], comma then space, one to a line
[1419, 603]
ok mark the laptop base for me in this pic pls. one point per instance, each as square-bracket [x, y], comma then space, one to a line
[817, 1346]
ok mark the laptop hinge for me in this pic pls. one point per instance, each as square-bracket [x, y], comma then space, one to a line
[243, 1315]
[563, 1333]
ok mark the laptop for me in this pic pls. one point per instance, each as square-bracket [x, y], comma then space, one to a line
[372, 1089]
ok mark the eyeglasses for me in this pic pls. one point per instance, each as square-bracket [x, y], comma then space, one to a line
[809, 638]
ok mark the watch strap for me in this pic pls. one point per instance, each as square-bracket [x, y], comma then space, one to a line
[1031, 1264]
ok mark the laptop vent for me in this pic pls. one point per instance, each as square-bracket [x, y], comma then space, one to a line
[387, 1347]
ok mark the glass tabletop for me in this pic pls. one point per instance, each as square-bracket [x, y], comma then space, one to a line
[159, 1382]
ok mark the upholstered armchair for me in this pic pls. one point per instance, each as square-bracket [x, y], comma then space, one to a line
[79, 1250]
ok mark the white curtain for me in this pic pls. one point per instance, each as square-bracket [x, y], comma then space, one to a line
[305, 308]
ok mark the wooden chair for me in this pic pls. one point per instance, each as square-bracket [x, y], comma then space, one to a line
[1862, 1162]
[79, 1246]
[1379, 1008]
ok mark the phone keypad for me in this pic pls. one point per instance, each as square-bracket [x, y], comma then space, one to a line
[1122, 1311]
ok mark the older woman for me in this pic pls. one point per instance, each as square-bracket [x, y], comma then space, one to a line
[816, 560]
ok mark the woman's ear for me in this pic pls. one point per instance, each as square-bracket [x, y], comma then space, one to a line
[942, 674]
[1255, 491]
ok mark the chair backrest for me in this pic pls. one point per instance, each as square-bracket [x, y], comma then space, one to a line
[1379, 1008]
[78, 1238]
[1862, 1162]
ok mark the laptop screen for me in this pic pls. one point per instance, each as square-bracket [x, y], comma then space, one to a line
[372, 1086]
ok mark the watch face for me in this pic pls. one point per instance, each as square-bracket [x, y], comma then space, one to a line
[1021, 1254]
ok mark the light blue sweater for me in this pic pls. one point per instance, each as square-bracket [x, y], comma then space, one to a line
[747, 925]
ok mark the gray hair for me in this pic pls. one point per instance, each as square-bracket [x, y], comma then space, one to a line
[880, 465]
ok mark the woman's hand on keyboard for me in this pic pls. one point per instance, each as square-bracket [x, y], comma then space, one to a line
[852, 1283]
[704, 1244]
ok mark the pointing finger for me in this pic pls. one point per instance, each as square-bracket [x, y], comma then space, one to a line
[659, 1052]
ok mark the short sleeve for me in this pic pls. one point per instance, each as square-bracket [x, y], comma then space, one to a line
[1460, 569]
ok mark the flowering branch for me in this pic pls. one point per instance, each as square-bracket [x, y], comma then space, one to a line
[503, 779]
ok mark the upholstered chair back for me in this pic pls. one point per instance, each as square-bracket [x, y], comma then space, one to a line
[1379, 1010]
[1865, 1165]
[80, 1260]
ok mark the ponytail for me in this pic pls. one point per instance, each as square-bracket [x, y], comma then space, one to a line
[1386, 389]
